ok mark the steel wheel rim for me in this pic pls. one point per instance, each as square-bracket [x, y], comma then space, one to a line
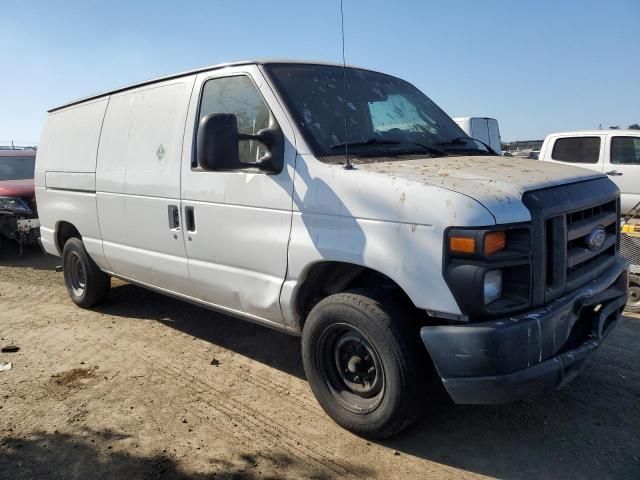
[356, 382]
[76, 274]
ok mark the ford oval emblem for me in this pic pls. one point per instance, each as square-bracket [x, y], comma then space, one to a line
[596, 238]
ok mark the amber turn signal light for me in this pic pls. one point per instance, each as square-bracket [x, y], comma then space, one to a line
[462, 245]
[494, 242]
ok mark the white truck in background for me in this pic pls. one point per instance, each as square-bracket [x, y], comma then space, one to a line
[482, 128]
[616, 153]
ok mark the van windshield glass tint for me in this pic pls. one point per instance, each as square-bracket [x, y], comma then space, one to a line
[17, 168]
[396, 115]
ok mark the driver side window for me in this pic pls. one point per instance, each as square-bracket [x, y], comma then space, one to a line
[240, 96]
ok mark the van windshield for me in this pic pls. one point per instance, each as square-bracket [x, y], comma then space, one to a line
[385, 116]
[17, 168]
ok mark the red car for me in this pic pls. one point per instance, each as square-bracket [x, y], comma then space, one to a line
[18, 214]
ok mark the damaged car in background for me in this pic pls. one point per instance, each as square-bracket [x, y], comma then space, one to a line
[18, 214]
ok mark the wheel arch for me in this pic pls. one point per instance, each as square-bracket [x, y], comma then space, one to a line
[63, 232]
[326, 277]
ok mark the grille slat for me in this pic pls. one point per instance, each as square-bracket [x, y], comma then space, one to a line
[584, 227]
[578, 255]
[589, 271]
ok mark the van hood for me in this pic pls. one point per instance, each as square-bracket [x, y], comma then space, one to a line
[498, 183]
[17, 188]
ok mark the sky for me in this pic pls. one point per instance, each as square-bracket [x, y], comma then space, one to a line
[538, 67]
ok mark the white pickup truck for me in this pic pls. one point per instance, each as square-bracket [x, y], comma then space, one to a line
[615, 153]
[344, 206]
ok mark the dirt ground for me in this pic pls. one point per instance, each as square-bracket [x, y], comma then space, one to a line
[150, 387]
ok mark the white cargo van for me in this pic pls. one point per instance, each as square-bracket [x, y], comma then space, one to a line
[482, 128]
[346, 207]
[615, 153]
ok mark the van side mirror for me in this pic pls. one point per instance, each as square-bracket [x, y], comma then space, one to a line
[218, 141]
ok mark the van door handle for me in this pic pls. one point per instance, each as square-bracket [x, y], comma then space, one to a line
[190, 215]
[174, 217]
[613, 173]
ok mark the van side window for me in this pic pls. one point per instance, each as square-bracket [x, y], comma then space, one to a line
[625, 150]
[238, 95]
[577, 150]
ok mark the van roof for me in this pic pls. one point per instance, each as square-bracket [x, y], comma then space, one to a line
[191, 72]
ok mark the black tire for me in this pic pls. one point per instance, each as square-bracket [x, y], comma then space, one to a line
[374, 405]
[633, 302]
[87, 285]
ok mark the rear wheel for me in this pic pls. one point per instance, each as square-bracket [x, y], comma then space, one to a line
[360, 359]
[87, 285]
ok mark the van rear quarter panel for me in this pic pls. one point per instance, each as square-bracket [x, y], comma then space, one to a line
[65, 175]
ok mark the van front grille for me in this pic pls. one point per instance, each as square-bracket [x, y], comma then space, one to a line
[582, 261]
[571, 261]
[562, 218]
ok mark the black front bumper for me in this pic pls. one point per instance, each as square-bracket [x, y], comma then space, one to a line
[510, 358]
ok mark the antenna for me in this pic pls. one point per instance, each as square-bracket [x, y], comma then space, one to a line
[347, 164]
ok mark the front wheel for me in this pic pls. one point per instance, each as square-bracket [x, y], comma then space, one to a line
[360, 359]
[87, 285]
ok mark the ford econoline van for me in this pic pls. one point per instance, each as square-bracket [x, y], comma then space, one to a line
[344, 206]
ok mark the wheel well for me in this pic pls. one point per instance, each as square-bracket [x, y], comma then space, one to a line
[64, 233]
[328, 278]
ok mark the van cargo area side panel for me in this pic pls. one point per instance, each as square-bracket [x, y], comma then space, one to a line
[69, 141]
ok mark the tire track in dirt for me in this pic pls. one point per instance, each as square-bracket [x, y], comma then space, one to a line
[50, 298]
[288, 391]
[272, 430]
[248, 424]
[205, 393]
[292, 394]
[207, 401]
[252, 421]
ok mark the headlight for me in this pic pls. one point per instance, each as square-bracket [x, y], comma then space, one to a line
[488, 269]
[492, 286]
[14, 204]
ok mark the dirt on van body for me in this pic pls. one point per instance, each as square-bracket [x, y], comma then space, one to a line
[150, 387]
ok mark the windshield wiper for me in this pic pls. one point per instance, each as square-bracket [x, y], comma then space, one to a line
[382, 141]
[463, 140]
